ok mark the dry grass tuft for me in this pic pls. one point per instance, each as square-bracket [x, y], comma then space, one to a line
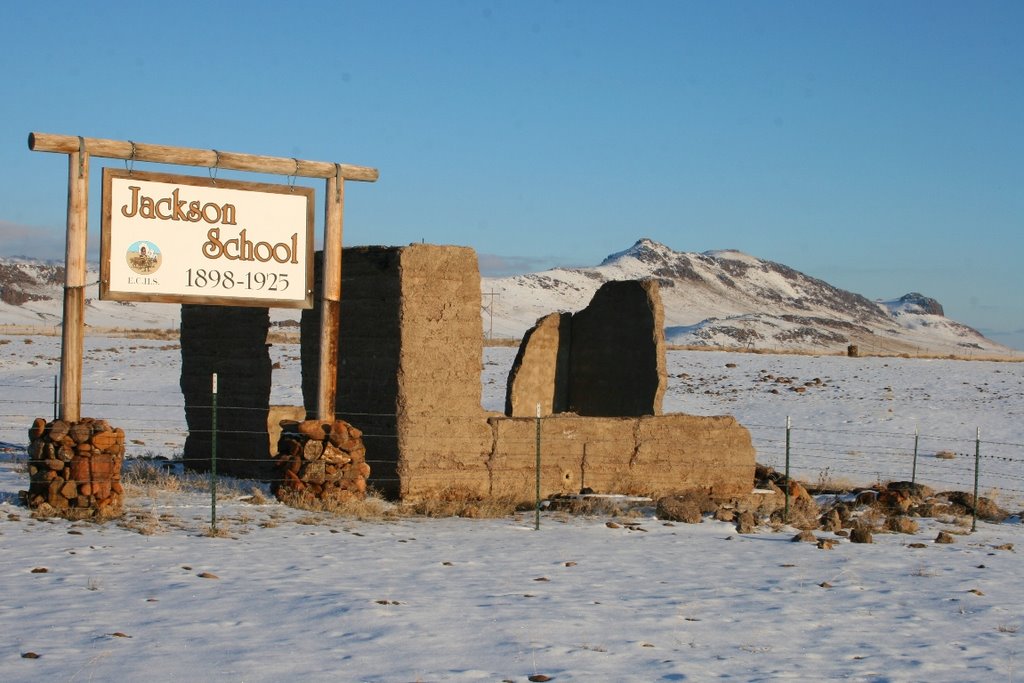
[154, 476]
[147, 477]
[143, 522]
[221, 531]
[600, 506]
[829, 483]
[282, 336]
[373, 508]
[501, 341]
[953, 519]
[457, 502]
[310, 520]
[257, 497]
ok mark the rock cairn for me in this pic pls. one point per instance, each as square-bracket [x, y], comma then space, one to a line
[75, 468]
[320, 461]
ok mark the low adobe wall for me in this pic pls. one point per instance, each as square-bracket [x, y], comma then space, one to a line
[653, 455]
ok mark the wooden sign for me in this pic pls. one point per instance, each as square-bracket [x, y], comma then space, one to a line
[187, 239]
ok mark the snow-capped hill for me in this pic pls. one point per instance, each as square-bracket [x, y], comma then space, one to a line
[24, 280]
[645, 250]
[913, 303]
[726, 298]
[31, 295]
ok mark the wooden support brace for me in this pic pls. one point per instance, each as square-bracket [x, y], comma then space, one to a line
[187, 156]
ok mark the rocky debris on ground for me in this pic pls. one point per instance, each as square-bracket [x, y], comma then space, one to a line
[901, 524]
[857, 514]
[833, 519]
[987, 508]
[687, 507]
[745, 522]
[861, 534]
[725, 515]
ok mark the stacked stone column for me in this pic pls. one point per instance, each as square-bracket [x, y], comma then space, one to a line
[75, 469]
[320, 461]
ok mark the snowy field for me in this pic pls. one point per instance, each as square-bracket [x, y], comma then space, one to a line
[289, 595]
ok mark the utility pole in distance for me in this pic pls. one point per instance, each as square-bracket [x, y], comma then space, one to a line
[490, 312]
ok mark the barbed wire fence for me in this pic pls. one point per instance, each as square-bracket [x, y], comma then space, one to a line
[858, 456]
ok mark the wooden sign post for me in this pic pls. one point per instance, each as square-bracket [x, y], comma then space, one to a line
[79, 150]
[73, 329]
[330, 301]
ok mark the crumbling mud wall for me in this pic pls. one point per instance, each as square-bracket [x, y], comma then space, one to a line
[232, 342]
[617, 352]
[410, 354]
[540, 372]
[653, 456]
[442, 430]
[368, 353]
[607, 360]
[277, 418]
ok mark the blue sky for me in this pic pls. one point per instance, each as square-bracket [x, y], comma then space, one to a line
[875, 145]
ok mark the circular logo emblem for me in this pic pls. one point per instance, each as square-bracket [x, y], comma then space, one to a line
[144, 257]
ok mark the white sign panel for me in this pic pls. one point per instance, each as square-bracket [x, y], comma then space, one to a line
[188, 239]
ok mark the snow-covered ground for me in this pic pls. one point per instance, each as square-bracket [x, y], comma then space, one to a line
[299, 596]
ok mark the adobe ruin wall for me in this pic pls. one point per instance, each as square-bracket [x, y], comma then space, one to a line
[410, 356]
[230, 341]
[607, 360]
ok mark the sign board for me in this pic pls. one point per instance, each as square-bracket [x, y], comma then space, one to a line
[187, 239]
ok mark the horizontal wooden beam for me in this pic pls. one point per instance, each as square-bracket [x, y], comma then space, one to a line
[186, 156]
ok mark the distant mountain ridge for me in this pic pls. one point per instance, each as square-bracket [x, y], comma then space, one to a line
[31, 294]
[730, 299]
[715, 299]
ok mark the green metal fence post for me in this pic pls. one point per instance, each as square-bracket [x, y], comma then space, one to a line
[913, 471]
[977, 459]
[213, 457]
[789, 425]
[536, 512]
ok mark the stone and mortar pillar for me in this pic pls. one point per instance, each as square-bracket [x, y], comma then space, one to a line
[75, 469]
